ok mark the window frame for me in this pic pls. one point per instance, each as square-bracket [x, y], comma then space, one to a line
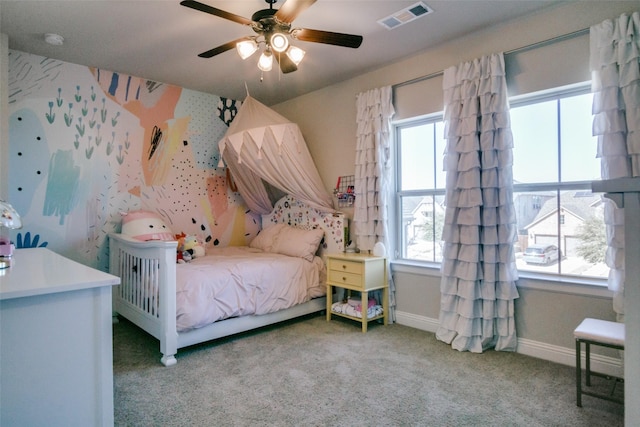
[429, 119]
[536, 280]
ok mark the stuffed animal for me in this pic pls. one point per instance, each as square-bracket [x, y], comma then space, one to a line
[145, 225]
[180, 238]
[188, 248]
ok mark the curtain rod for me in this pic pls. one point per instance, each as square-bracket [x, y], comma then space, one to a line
[509, 52]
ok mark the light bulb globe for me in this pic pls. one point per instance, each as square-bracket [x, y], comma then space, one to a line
[279, 42]
[295, 54]
[246, 48]
[266, 61]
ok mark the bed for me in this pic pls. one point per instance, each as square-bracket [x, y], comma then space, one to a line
[252, 286]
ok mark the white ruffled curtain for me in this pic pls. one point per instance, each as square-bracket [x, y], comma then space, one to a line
[479, 273]
[615, 66]
[372, 173]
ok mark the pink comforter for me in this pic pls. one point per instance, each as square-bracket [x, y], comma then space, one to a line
[240, 281]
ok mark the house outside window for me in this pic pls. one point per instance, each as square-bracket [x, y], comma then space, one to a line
[554, 164]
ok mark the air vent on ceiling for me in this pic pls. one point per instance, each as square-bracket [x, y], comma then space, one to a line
[405, 15]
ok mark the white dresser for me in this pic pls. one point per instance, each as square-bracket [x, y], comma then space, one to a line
[56, 350]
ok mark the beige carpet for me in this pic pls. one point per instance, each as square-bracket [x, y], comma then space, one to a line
[311, 372]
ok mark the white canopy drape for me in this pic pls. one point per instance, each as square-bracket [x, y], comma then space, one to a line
[263, 145]
[478, 269]
[615, 65]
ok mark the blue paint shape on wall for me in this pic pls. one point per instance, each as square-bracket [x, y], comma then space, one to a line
[62, 185]
[26, 242]
[114, 84]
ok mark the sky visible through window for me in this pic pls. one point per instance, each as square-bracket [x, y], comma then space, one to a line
[422, 147]
[535, 149]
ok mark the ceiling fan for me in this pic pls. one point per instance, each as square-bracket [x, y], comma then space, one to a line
[273, 28]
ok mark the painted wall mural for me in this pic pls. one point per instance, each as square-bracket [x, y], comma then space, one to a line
[86, 144]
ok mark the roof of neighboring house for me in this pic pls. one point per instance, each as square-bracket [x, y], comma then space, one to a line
[580, 203]
[411, 204]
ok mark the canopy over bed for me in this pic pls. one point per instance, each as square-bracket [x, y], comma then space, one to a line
[261, 146]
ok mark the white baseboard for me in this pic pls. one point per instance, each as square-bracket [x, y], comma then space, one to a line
[419, 322]
[553, 353]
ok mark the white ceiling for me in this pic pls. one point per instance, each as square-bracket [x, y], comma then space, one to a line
[159, 40]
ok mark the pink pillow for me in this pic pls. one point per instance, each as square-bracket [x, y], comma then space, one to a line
[266, 238]
[297, 242]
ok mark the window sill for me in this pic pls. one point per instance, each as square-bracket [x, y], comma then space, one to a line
[528, 280]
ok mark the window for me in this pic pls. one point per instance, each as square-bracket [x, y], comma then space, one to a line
[421, 183]
[554, 163]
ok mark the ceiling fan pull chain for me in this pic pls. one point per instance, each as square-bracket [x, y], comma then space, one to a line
[279, 68]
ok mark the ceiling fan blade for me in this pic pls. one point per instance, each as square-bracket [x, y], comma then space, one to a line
[292, 8]
[222, 48]
[327, 37]
[217, 12]
[286, 64]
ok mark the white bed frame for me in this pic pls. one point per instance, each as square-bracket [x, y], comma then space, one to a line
[147, 270]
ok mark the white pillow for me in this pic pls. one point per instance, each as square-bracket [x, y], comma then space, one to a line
[266, 238]
[298, 242]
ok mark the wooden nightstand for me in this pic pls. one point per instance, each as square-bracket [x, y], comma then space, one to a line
[358, 272]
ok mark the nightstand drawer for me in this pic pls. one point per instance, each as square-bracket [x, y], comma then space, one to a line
[345, 278]
[341, 265]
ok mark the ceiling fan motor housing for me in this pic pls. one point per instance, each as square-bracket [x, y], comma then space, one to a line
[262, 14]
[265, 22]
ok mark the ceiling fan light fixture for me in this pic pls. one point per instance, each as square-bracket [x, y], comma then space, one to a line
[274, 29]
[266, 61]
[246, 48]
[279, 42]
[295, 54]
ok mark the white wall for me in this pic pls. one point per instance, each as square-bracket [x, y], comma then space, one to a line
[545, 319]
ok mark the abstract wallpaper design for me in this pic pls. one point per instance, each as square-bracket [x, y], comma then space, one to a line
[86, 144]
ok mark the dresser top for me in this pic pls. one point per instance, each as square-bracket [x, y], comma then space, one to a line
[40, 271]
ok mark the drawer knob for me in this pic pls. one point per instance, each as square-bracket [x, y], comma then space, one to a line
[344, 266]
[344, 279]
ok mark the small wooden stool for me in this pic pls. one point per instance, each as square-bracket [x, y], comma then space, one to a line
[597, 332]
